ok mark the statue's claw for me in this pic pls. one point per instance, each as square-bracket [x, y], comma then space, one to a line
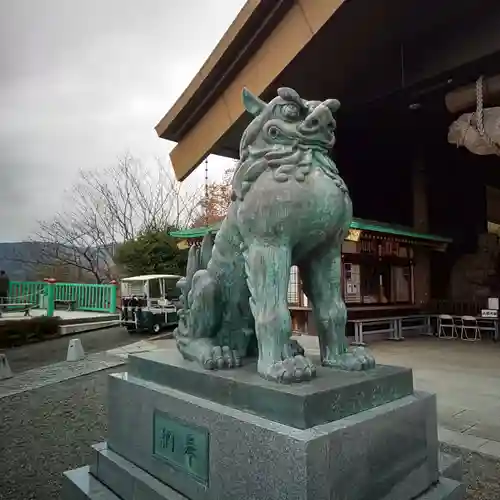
[208, 355]
[222, 357]
[294, 369]
[355, 359]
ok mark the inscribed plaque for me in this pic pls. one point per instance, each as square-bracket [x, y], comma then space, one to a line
[182, 446]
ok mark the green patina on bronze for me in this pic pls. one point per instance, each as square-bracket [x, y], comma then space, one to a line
[332, 395]
[290, 207]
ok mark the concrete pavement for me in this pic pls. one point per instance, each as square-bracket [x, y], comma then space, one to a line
[464, 375]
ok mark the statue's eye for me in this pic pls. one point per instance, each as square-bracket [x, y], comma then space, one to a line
[291, 111]
[274, 132]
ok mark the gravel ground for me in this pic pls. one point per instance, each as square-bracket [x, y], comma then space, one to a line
[45, 353]
[481, 474]
[49, 430]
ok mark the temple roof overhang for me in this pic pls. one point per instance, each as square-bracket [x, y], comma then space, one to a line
[348, 49]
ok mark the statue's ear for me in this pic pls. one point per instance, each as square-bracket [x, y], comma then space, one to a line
[252, 103]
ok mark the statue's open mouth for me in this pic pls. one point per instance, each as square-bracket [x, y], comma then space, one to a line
[318, 141]
[318, 144]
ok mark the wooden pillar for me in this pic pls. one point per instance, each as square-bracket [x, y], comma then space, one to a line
[421, 271]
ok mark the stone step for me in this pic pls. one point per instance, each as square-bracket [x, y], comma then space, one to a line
[128, 481]
[445, 489]
[79, 484]
[87, 326]
[117, 476]
[450, 466]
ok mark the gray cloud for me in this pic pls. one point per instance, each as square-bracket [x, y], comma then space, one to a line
[83, 82]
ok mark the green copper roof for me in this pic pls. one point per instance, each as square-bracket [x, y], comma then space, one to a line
[196, 232]
[363, 224]
[383, 227]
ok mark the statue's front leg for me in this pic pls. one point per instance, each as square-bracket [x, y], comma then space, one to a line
[268, 274]
[321, 277]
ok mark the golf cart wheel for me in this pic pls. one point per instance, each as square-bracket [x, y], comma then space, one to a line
[156, 328]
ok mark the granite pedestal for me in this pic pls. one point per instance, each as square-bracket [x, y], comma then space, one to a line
[179, 432]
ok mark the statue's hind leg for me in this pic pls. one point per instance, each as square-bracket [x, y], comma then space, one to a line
[201, 343]
[268, 274]
[321, 277]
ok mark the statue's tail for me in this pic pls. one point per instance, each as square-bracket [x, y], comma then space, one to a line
[198, 258]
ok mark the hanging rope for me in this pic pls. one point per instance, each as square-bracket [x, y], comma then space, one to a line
[479, 115]
[206, 192]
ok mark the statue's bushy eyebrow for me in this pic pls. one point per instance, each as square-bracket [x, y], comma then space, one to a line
[291, 95]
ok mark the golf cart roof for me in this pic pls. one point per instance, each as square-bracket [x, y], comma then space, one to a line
[147, 277]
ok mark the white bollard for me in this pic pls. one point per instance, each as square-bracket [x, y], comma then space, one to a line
[5, 371]
[75, 350]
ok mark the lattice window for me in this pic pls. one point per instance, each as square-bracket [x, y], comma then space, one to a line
[294, 286]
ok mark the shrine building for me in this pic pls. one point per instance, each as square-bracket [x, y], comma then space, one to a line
[403, 72]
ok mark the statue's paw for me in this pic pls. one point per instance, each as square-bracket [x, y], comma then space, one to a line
[294, 369]
[208, 355]
[222, 357]
[355, 359]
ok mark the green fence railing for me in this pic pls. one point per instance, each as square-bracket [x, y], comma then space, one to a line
[27, 292]
[99, 298]
[77, 296]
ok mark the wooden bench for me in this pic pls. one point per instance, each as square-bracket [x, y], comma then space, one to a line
[24, 306]
[69, 303]
[375, 325]
[394, 326]
[418, 322]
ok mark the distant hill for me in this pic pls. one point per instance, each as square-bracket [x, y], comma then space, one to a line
[15, 259]
[14, 255]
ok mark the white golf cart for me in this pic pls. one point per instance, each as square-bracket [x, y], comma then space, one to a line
[149, 302]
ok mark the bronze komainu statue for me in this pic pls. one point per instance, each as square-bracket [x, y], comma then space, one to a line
[290, 207]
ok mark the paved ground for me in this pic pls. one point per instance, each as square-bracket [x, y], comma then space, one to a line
[464, 375]
[45, 353]
[48, 430]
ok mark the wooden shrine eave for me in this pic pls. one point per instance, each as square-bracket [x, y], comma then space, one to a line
[253, 24]
[263, 40]
[347, 49]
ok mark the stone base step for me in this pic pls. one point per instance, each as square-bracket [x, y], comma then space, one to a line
[127, 480]
[450, 466]
[87, 327]
[113, 477]
[79, 484]
[445, 489]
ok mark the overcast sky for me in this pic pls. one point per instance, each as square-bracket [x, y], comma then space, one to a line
[82, 82]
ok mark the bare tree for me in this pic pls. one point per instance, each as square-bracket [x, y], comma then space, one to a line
[108, 206]
[216, 201]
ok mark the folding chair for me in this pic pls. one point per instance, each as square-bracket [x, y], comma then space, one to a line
[446, 322]
[469, 324]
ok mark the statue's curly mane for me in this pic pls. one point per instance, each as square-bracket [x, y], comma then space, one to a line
[286, 160]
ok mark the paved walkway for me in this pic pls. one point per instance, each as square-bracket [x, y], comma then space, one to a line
[464, 375]
[36, 355]
[57, 372]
